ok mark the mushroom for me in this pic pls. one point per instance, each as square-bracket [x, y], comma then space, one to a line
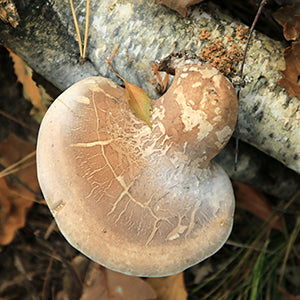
[139, 201]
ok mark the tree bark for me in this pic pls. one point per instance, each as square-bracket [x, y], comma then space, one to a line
[46, 39]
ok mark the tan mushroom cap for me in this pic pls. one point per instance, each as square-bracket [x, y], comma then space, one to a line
[141, 202]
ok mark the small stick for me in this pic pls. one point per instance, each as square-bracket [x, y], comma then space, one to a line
[108, 60]
[113, 54]
[261, 5]
[47, 275]
[8, 116]
[19, 181]
[12, 167]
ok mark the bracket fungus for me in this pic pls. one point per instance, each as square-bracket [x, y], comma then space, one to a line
[139, 201]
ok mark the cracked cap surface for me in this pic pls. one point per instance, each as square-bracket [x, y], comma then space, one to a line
[140, 202]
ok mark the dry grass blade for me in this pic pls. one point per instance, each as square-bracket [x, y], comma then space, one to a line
[12, 118]
[76, 27]
[44, 291]
[86, 29]
[289, 246]
[257, 271]
[82, 50]
[18, 165]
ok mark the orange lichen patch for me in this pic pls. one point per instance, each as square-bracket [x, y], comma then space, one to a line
[15, 199]
[292, 71]
[204, 35]
[222, 57]
[242, 32]
[229, 38]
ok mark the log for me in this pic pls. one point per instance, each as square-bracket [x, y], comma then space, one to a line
[46, 39]
[260, 171]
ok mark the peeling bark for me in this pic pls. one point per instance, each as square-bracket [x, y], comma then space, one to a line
[45, 38]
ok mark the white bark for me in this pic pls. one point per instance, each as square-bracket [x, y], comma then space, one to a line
[269, 118]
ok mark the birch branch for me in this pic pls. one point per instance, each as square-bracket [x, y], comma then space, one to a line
[46, 39]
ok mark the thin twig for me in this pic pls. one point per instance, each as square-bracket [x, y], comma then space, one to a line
[8, 116]
[261, 5]
[46, 281]
[108, 60]
[11, 168]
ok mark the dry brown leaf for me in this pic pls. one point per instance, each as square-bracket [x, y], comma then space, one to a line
[180, 6]
[13, 212]
[104, 284]
[139, 102]
[137, 98]
[9, 13]
[169, 288]
[33, 93]
[15, 200]
[254, 201]
[292, 32]
[286, 14]
[292, 70]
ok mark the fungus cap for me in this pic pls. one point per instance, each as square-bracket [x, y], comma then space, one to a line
[139, 201]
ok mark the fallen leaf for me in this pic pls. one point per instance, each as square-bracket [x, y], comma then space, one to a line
[254, 201]
[286, 14]
[180, 6]
[139, 102]
[15, 199]
[169, 288]
[9, 13]
[87, 280]
[292, 70]
[104, 284]
[37, 95]
[292, 32]
[137, 98]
